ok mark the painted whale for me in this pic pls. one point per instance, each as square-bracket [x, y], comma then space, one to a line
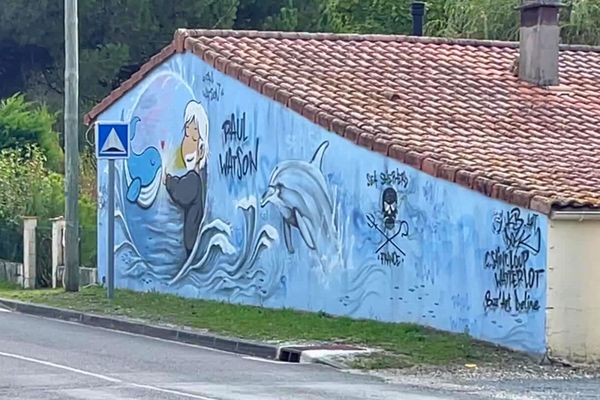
[144, 171]
[299, 191]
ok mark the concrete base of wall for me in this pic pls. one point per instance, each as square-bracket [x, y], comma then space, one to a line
[11, 272]
[87, 276]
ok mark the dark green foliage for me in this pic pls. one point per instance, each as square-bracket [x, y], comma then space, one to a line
[118, 36]
[115, 38]
[581, 22]
[11, 243]
[30, 184]
[23, 124]
[369, 16]
[476, 19]
[280, 15]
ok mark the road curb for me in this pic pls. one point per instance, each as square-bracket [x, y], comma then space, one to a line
[233, 345]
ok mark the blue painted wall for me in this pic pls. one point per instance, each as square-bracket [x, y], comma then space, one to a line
[276, 211]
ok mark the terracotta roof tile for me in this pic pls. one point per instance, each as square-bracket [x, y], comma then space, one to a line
[452, 108]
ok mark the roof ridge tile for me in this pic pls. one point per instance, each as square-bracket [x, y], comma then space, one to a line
[229, 33]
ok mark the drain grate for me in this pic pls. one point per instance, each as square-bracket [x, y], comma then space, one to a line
[290, 355]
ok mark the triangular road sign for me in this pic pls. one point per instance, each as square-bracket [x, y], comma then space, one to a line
[112, 140]
[113, 143]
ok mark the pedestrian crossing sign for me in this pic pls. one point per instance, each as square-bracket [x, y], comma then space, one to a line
[112, 140]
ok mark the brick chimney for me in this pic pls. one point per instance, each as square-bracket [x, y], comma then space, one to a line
[539, 43]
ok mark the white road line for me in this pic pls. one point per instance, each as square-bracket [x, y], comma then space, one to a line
[4, 310]
[104, 377]
[175, 392]
[266, 360]
[64, 367]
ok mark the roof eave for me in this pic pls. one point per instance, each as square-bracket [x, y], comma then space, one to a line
[583, 214]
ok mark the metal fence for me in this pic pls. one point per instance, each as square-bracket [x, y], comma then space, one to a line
[11, 248]
[43, 252]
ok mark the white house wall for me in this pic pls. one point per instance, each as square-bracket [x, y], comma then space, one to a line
[573, 294]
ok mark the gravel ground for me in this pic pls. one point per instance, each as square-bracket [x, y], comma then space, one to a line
[512, 381]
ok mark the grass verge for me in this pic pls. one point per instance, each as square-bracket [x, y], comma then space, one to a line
[405, 345]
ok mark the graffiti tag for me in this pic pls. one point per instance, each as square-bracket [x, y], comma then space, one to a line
[391, 258]
[387, 178]
[213, 91]
[386, 222]
[237, 161]
[389, 238]
[514, 278]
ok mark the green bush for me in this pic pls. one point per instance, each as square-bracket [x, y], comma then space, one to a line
[24, 123]
[30, 182]
[87, 222]
[29, 188]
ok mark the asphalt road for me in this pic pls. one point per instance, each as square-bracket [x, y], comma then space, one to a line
[45, 359]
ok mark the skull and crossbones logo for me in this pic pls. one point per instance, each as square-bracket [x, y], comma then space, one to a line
[389, 210]
[389, 207]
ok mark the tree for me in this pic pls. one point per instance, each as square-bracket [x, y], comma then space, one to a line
[369, 16]
[475, 19]
[24, 124]
[482, 19]
[282, 15]
[118, 36]
[28, 187]
[581, 22]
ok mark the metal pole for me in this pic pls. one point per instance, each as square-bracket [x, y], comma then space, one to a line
[111, 229]
[71, 148]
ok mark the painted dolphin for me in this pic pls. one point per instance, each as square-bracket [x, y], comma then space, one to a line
[299, 191]
[144, 171]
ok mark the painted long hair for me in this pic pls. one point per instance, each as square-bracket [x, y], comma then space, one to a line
[194, 111]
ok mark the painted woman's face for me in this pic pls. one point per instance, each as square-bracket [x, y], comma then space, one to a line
[193, 148]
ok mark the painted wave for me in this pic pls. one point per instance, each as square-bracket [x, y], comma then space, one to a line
[216, 266]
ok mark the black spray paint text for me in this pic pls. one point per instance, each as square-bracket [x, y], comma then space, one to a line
[509, 302]
[240, 157]
[514, 279]
[391, 258]
[213, 91]
[394, 177]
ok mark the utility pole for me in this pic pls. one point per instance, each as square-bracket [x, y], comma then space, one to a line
[71, 147]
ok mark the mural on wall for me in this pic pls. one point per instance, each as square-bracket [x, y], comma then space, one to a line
[230, 196]
[167, 235]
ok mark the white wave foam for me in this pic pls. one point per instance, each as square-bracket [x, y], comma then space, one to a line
[247, 203]
[148, 194]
